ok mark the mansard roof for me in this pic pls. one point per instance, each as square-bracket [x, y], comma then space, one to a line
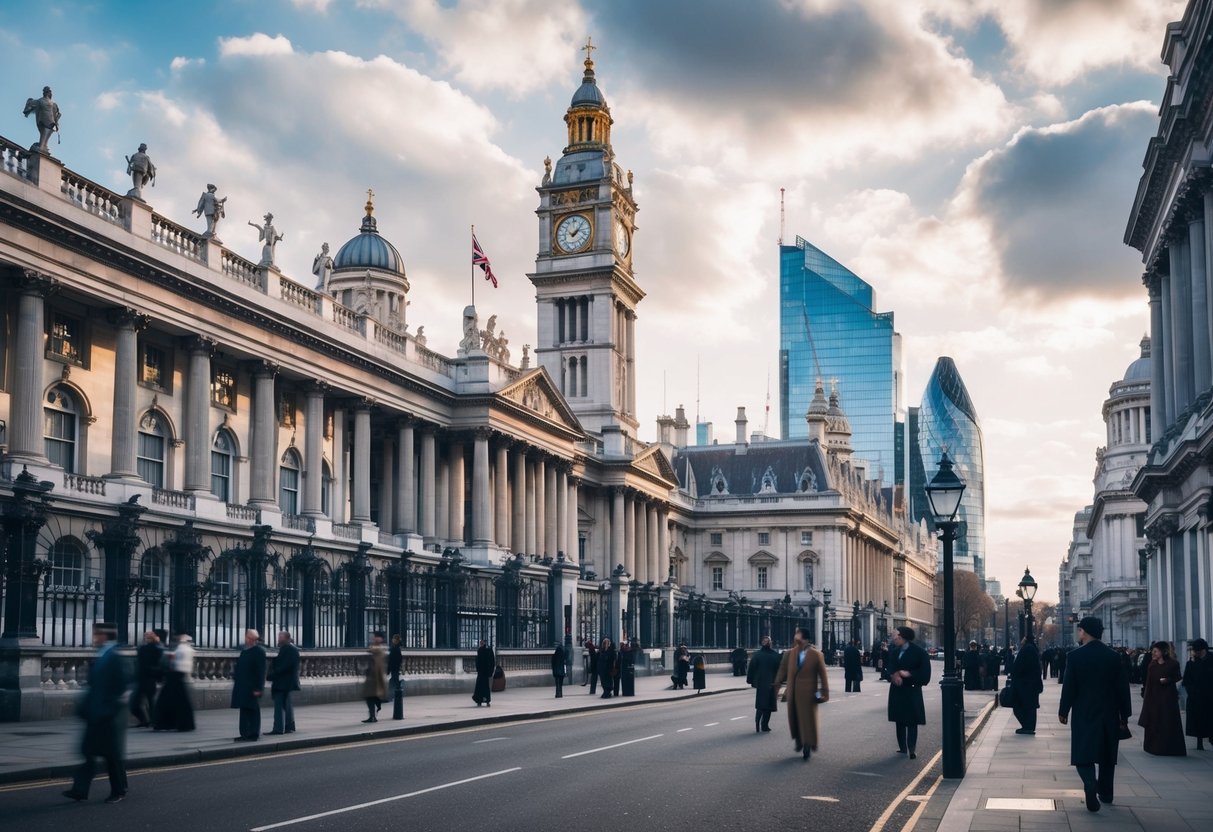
[783, 461]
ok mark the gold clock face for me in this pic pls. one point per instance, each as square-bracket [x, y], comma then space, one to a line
[573, 233]
[623, 243]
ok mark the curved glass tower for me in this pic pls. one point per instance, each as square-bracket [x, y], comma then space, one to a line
[948, 420]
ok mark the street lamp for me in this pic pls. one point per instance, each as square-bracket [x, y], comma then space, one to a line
[855, 622]
[1027, 589]
[827, 636]
[944, 493]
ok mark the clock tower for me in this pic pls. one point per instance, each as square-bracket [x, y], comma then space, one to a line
[584, 285]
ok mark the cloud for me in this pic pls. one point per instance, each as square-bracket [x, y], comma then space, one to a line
[318, 6]
[256, 45]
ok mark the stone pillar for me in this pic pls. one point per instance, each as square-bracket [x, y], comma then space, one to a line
[1167, 351]
[541, 525]
[1197, 268]
[455, 494]
[442, 501]
[501, 496]
[663, 546]
[23, 518]
[264, 445]
[482, 530]
[198, 416]
[654, 552]
[341, 476]
[313, 449]
[25, 443]
[518, 517]
[551, 511]
[532, 535]
[118, 538]
[387, 485]
[629, 535]
[562, 512]
[618, 545]
[1158, 377]
[642, 541]
[126, 377]
[185, 552]
[361, 463]
[428, 483]
[406, 493]
[573, 536]
[1181, 324]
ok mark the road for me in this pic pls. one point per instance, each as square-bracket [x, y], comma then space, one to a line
[688, 765]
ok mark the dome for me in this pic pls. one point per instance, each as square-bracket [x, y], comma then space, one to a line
[1139, 370]
[588, 92]
[369, 250]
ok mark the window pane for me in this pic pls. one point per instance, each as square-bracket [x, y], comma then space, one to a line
[221, 474]
[67, 564]
[154, 369]
[288, 497]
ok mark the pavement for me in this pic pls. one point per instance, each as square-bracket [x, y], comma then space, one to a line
[1159, 794]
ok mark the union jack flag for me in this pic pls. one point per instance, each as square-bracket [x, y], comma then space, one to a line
[479, 258]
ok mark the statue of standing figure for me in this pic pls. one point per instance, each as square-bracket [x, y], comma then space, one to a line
[471, 332]
[488, 335]
[141, 171]
[322, 267]
[210, 206]
[269, 237]
[46, 115]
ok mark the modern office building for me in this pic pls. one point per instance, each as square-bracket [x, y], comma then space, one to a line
[829, 329]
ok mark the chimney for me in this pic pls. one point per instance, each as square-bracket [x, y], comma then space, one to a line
[740, 421]
[681, 426]
[665, 430]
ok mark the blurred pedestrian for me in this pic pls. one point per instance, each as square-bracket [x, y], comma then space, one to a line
[1096, 690]
[248, 683]
[589, 659]
[629, 652]
[699, 673]
[486, 663]
[974, 667]
[909, 670]
[149, 670]
[739, 658]
[764, 667]
[374, 684]
[803, 669]
[852, 664]
[174, 710]
[1026, 686]
[1198, 682]
[993, 665]
[881, 660]
[284, 681]
[682, 666]
[606, 667]
[1164, 734]
[105, 716]
[558, 669]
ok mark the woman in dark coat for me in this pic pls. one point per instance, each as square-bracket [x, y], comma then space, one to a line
[1026, 686]
[558, 669]
[607, 658]
[1160, 708]
[486, 663]
[699, 673]
[1198, 682]
[682, 666]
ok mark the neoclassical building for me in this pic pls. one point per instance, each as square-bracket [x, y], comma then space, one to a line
[196, 442]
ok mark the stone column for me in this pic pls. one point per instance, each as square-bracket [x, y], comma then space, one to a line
[406, 487]
[642, 541]
[361, 463]
[428, 483]
[629, 535]
[126, 377]
[340, 506]
[562, 512]
[1201, 368]
[532, 529]
[456, 493]
[518, 517]
[482, 530]
[25, 441]
[387, 485]
[541, 525]
[618, 545]
[663, 546]
[198, 416]
[654, 566]
[264, 444]
[442, 501]
[1181, 324]
[313, 448]
[501, 496]
[1167, 352]
[573, 550]
[551, 511]
[1158, 378]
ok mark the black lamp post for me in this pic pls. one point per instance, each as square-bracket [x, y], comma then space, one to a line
[944, 493]
[855, 622]
[1027, 588]
[827, 633]
[1006, 622]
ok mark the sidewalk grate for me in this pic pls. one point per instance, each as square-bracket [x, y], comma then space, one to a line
[1021, 804]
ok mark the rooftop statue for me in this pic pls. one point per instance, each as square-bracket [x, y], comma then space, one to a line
[322, 267]
[547, 170]
[268, 237]
[471, 332]
[46, 114]
[141, 171]
[210, 206]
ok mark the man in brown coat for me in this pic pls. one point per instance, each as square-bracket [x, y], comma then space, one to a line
[803, 668]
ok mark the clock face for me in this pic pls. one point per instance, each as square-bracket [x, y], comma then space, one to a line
[573, 233]
[623, 243]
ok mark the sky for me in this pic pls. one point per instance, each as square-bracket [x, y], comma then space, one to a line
[974, 160]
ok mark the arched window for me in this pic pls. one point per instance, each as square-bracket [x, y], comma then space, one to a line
[61, 427]
[288, 482]
[326, 489]
[223, 452]
[151, 451]
[571, 378]
[67, 558]
[151, 569]
[584, 375]
[222, 576]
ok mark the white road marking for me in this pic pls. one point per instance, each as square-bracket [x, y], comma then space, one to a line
[711, 724]
[606, 748]
[491, 739]
[734, 719]
[383, 800]
[822, 798]
[682, 730]
[897, 801]
[865, 773]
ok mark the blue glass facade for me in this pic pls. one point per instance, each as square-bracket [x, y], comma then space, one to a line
[948, 419]
[828, 328]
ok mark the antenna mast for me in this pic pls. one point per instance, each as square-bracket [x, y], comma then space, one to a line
[781, 216]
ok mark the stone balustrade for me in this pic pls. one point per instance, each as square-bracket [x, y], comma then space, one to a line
[80, 484]
[177, 238]
[14, 159]
[243, 513]
[173, 499]
[245, 271]
[299, 295]
[91, 197]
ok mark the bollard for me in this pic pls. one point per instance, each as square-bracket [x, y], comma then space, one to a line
[398, 703]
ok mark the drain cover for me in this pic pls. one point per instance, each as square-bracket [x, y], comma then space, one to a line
[1021, 804]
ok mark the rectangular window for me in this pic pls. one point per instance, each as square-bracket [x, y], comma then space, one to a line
[716, 538]
[221, 476]
[808, 577]
[717, 578]
[59, 432]
[806, 538]
[150, 462]
[67, 338]
[764, 538]
[762, 577]
[286, 409]
[223, 389]
[288, 497]
[154, 369]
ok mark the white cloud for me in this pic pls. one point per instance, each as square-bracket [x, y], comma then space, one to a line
[319, 6]
[255, 45]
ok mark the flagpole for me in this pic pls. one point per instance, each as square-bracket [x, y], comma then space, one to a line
[473, 270]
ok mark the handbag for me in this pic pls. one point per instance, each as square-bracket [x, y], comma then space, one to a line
[1005, 698]
[1123, 732]
[498, 684]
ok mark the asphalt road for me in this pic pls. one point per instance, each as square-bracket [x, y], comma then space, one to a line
[689, 765]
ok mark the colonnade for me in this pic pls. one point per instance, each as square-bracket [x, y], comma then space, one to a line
[868, 571]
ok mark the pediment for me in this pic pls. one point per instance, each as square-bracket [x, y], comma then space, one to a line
[654, 463]
[535, 392]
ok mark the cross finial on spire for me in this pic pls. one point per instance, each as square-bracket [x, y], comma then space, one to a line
[589, 49]
[370, 202]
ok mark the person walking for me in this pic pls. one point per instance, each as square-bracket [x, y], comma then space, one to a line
[909, 670]
[1164, 734]
[105, 716]
[882, 660]
[1059, 658]
[486, 663]
[374, 684]
[558, 669]
[1046, 661]
[739, 658]
[1026, 686]
[284, 681]
[174, 710]
[973, 668]
[628, 653]
[589, 657]
[149, 669]
[606, 667]
[852, 664]
[993, 666]
[699, 673]
[763, 668]
[682, 667]
[803, 669]
[1096, 689]
[248, 683]
[1198, 682]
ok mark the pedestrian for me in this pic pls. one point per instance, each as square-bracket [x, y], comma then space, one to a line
[589, 658]
[1096, 690]
[486, 663]
[1059, 658]
[374, 684]
[558, 669]
[284, 681]
[1198, 683]
[105, 716]
[174, 710]
[882, 660]
[395, 669]
[1026, 686]
[852, 664]
[248, 683]
[992, 667]
[909, 670]
[699, 673]
[1046, 661]
[763, 668]
[149, 669]
[1164, 734]
[739, 658]
[682, 667]
[628, 653]
[973, 668]
[803, 669]
[606, 667]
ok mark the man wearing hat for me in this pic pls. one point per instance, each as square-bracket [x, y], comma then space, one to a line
[1198, 682]
[1095, 690]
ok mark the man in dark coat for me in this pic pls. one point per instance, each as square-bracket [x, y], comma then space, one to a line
[149, 660]
[486, 663]
[764, 665]
[395, 667]
[284, 680]
[1026, 686]
[1198, 682]
[992, 667]
[104, 715]
[973, 668]
[591, 665]
[248, 683]
[852, 666]
[1059, 659]
[628, 652]
[558, 669]
[1096, 689]
[1046, 661]
[606, 667]
[739, 657]
[909, 670]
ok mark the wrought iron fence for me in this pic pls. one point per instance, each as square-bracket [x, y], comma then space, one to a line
[709, 623]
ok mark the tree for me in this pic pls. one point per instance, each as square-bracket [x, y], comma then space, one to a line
[973, 606]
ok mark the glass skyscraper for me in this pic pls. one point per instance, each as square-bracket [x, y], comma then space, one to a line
[948, 420]
[829, 329]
